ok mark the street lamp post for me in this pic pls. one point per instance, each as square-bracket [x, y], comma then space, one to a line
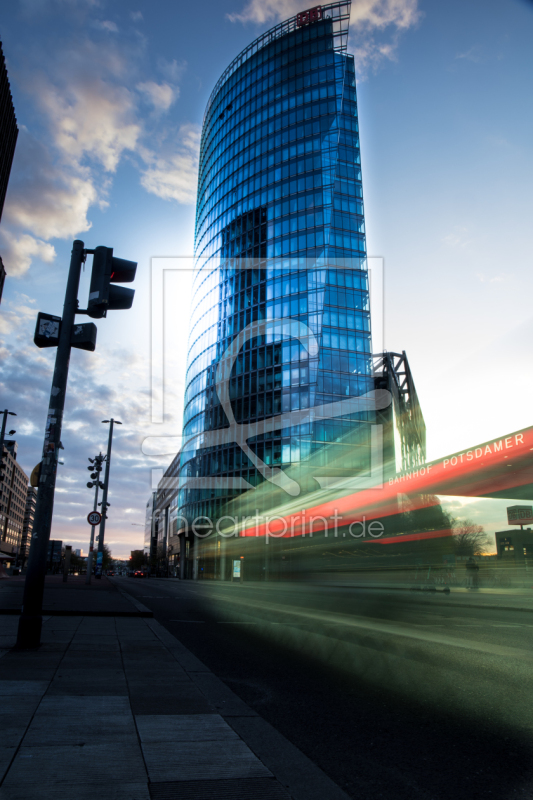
[3, 432]
[98, 462]
[100, 558]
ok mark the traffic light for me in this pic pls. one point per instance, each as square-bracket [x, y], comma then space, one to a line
[108, 270]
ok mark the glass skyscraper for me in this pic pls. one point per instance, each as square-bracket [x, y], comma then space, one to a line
[280, 262]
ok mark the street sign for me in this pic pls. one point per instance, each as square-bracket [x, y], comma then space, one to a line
[94, 518]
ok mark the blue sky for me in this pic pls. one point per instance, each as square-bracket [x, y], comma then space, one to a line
[110, 99]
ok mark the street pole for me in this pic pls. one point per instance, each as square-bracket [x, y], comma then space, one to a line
[104, 496]
[30, 622]
[91, 546]
[66, 564]
[3, 433]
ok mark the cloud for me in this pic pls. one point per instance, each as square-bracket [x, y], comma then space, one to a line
[136, 16]
[17, 254]
[402, 14]
[370, 20]
[89, 101]
[261, 11]
[44, 197]
[171, 70]
[105, 25]
[473, 54]
[112, 380]
[90, 118]
[160, 95]
[173, 175]
[458, 238]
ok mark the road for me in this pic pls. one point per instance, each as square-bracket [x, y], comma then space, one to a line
[394, 695]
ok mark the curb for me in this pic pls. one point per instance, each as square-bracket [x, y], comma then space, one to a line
[300, 776]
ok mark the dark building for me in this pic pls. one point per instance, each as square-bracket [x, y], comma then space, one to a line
[279, 239]
[53, 557]
[13, 496]
[514, 544]
[8, 130]
[8, 140]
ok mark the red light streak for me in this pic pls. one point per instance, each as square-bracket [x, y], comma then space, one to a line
[462, 474]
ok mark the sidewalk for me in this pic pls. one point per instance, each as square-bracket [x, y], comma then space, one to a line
[99, 598]
[118, 706]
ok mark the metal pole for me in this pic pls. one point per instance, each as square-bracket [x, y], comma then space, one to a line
[3, 433]
[66, 564]
[104, 496]
[91, 546]
[30, 622]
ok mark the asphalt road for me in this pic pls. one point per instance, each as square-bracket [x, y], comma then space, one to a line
[394, 695]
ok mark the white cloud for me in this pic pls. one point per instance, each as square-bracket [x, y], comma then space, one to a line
[136, 16]
[173, 175]
[382, 13]
[46, 198]
[160, 95]
[105, 25]
[261, 11]
[17, 254]
[171, 70]
[473, 54]
[91, 117]
[368, 19]
[90, 101]
[457, 238]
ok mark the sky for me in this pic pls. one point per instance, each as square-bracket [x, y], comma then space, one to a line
[109, 100]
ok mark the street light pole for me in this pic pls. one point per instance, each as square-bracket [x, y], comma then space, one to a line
[100, 559]
[30, 622]
[91, 546]
[3, 431]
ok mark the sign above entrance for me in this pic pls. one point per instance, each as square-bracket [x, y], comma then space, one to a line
[312, 15]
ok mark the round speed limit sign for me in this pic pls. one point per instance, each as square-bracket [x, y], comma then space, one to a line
[94, 518]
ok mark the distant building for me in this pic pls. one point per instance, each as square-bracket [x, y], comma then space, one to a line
[13, 496]
[515, 544]
[8, 140]
[53, 558]
[150, 531]
[27, 529]
[78, 553]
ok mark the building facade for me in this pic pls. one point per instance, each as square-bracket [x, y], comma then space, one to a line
[27, 528]
[13, 496]
[280, 293]
[8, 140]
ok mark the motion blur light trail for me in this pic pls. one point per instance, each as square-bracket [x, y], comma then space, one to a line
[499, 468]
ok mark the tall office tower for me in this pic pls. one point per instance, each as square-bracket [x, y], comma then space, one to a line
[281, 269]
[8, 140]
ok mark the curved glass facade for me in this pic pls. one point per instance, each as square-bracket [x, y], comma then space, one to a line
[279, 237]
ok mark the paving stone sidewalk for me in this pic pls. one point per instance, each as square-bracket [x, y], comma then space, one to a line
[118, 706]
[100, 597]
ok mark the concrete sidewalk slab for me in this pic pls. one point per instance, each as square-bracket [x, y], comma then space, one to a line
[121, 708]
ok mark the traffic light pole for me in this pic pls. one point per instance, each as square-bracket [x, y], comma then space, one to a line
[91, 546]
[30, 622]
[104, 499]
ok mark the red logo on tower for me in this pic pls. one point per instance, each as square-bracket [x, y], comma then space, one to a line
[305, 17]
